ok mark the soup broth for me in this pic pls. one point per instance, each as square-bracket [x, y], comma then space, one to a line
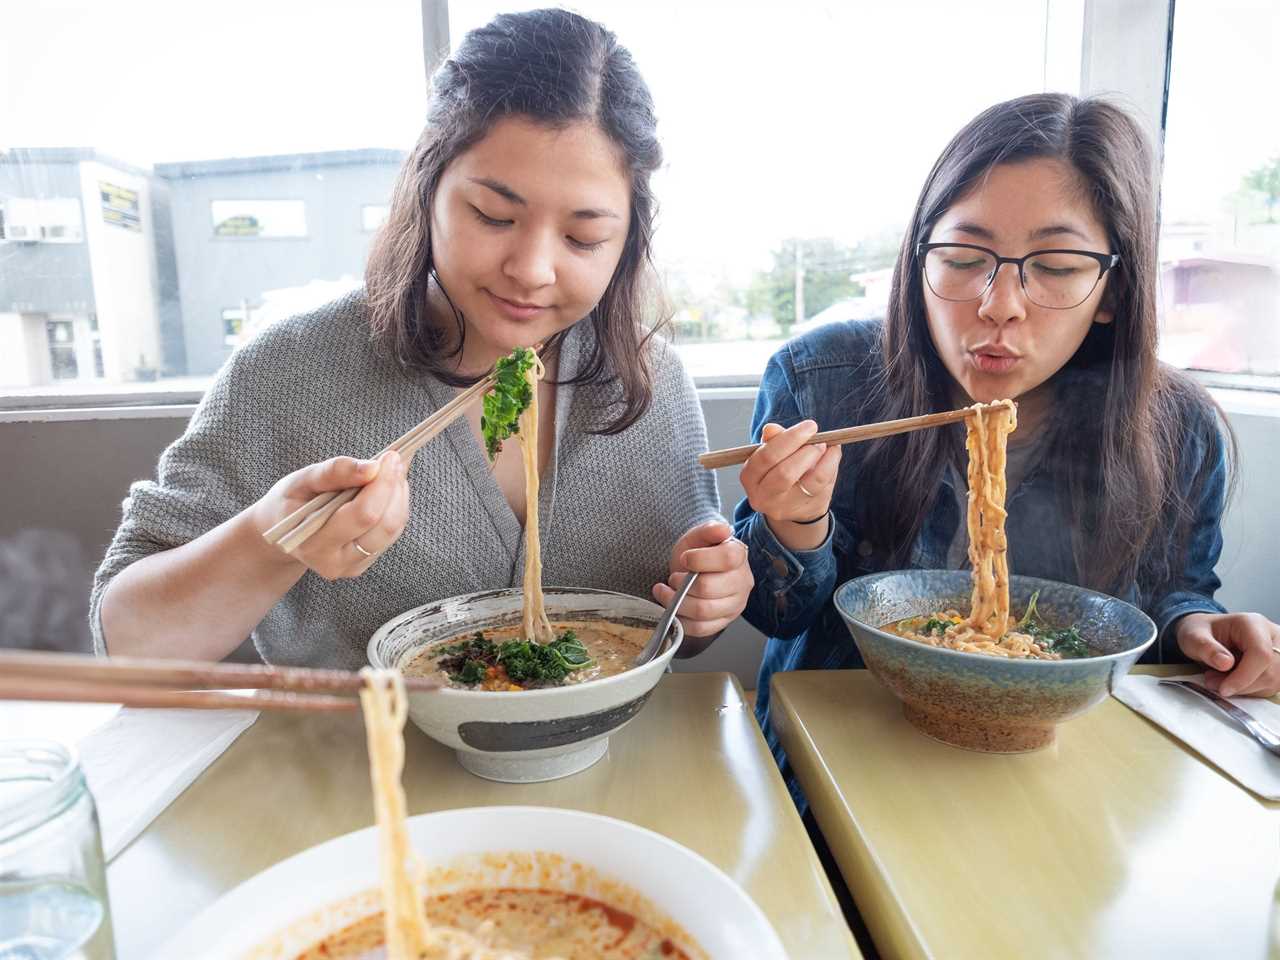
[533, 924]
[611, 647]
[1028, 639]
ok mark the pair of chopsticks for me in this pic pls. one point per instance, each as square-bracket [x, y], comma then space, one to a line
[138, 682]
[295, 529]
[716, 459]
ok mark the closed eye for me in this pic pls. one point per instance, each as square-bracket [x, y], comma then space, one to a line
[583, 245]
[490, 221]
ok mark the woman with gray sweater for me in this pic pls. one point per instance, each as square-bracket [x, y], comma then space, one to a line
[522, 216]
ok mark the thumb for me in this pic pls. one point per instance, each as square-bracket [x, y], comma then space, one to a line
[1198, 642]
[338, 473]
[706, 535]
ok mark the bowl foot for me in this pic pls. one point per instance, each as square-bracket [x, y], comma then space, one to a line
[515, 768]
[986, 738]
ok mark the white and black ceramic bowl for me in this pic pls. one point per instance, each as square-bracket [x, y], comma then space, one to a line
[529, 735]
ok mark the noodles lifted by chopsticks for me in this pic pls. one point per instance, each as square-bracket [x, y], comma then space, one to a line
[986, 440]
[536, 625]
[408, 934]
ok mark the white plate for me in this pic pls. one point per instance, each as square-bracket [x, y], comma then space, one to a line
[265, 910]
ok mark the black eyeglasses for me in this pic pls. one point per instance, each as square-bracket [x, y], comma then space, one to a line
[1056, 279]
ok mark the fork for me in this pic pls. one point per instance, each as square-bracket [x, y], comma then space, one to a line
[1269, 740]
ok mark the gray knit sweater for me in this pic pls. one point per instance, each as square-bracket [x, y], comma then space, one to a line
[313, 387]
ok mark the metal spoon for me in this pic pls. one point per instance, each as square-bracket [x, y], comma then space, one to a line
[668, 616]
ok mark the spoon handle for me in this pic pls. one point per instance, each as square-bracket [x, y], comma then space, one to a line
[668, 616]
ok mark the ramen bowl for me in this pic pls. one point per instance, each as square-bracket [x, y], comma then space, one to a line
[528, 735]
[982, 702]
[309, 899]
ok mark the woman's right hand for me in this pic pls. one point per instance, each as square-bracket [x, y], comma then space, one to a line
[359, 532]
[787, 481]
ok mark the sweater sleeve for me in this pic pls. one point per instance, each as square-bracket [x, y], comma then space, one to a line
[791, 587]
[222, 463]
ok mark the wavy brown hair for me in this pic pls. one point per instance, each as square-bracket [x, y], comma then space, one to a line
[1121, 417]
[556, 68]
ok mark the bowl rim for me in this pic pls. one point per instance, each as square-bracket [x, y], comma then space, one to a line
[663, 657]
[1017, 663]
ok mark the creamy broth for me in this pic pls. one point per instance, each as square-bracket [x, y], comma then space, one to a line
[533, 924]
[612, 646]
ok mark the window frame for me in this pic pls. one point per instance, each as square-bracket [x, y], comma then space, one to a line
[1125, 50]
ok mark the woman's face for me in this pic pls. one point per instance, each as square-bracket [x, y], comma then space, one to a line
[1002, 344]
[527, 228]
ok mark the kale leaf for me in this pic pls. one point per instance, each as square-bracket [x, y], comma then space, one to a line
[510, 395]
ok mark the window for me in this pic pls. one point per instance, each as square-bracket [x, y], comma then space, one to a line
[234, 320]
[62, 349]
[156, 226]
[796, 138]
[1220, 225]
[372, 217]
[259, 218]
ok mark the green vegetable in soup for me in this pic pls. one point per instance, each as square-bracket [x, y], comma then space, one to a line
[1065, 642]
[525, 662]
[510, 396]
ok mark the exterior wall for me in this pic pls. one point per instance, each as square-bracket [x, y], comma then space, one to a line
[122, 265]
[221, 272]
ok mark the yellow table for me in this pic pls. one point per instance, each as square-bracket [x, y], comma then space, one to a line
[692, 766]
[1114, 842]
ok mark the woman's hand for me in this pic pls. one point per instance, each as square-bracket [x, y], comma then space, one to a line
[724, 579]
[1241, 650]
[790, 483]
[358, 532]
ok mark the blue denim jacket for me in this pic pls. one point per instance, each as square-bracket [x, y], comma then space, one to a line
[826, 376]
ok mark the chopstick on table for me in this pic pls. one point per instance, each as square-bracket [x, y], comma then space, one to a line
[139, 682]
[715, 459]
[294, 530]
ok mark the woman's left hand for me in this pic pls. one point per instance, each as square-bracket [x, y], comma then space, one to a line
[1241, 650]
[724, 578]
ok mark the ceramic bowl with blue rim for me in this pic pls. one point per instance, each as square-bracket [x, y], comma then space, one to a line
[981, 702]
[529, 735]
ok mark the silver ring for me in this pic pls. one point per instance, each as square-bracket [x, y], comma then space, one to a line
[807, 493]
[366, 553]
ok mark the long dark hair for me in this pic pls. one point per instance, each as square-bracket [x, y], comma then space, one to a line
[556, 68]
[1120, 415]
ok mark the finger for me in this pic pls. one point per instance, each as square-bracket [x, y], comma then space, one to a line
[338, 473]
[705, 628]
[361, 515]
[783, 478]
[729, 555]
[1267, 685]
[1199, 643]
[713, 585]
[705, 534]
[825, 471]
[1248, 636]
[697, 610]
[781, 445]
[388, 530]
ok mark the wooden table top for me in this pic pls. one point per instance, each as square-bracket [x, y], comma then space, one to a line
[692, 766]
[1116, 841]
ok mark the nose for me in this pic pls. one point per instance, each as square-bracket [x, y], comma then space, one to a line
[530, 262]
[1005, 301]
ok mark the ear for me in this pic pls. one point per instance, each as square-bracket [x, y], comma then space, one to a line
[1106, 311]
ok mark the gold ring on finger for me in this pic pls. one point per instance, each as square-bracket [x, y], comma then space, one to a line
[366, 553]
[803, 489]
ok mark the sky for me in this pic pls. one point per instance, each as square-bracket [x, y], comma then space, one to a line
[778, 119]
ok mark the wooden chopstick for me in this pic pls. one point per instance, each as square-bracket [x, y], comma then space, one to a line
[715, 459]
[178, 683]
[294, 530]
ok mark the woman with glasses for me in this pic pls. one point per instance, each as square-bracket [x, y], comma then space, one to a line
[1027, 271]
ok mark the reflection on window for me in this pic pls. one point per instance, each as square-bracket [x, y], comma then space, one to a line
[1220, 232]
[259, 218]
[138, 248]
[796, 138]
[372, 217]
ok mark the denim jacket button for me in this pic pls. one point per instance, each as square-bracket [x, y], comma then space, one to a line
[864, 548]
[780, 566]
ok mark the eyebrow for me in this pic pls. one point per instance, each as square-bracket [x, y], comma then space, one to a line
[977, 230]
[502, 190]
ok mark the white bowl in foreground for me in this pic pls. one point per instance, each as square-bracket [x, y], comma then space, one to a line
[298, 902]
